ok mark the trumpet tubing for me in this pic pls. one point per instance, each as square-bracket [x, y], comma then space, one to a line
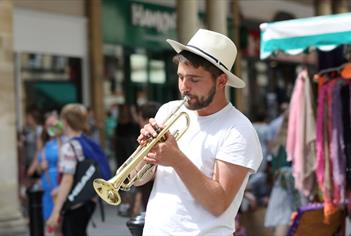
[108, 189]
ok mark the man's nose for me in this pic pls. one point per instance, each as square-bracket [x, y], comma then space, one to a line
[185, 85]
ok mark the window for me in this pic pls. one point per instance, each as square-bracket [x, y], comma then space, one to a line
[138, 68]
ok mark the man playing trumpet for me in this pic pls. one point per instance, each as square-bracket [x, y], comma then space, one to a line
[200, 180]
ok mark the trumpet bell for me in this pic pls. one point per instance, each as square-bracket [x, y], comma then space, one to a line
[106, 191]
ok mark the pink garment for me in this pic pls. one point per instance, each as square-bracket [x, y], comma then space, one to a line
[301, 136]
[324, 130]
[293, 146]
[329, 180]
[320, 163]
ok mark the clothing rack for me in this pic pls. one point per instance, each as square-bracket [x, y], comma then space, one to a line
[346, 68]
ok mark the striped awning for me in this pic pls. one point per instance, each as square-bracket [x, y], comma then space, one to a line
[299, 35]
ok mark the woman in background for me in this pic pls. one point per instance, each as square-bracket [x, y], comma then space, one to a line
[48, 156]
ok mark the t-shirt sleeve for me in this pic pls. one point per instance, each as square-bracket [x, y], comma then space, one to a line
[241, 148]
[163, 113]
[68, 161]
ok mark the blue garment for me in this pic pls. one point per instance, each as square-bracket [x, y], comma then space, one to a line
[93, 151]
[49, 178]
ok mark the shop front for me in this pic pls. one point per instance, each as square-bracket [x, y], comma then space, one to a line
[50, 61]
[138, 61]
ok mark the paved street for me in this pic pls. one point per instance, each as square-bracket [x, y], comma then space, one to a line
[114, 225]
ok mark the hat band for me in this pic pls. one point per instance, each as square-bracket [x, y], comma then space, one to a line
[209, 55]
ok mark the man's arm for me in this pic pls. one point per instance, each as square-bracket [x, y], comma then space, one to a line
[216, 193]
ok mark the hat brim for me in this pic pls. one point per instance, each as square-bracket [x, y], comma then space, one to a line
[233, 80]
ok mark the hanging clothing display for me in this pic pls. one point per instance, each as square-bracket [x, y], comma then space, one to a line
[331, 141]
[301, 135]
[333, 138]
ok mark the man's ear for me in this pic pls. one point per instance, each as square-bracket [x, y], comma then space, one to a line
[222, 80]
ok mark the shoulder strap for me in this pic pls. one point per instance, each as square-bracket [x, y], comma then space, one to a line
[74, 144]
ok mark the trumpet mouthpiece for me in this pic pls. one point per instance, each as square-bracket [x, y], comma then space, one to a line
[186, 98]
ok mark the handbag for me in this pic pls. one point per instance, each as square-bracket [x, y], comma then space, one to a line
[82, 188]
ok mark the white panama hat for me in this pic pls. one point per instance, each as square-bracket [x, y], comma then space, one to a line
[216, 48]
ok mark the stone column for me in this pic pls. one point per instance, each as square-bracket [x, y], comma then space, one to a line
[323, 7]
[187, 19]
[240, 100]
[11, 219]
[217, 16]
[341, 6]
[96, 63]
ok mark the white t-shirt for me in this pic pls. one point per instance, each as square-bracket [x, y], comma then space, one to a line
[225, 135]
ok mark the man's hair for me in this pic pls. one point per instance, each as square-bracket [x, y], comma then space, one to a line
[197, 61]
[149, 109]
[76, 116]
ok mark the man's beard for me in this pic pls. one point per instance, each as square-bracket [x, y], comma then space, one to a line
[200, 102]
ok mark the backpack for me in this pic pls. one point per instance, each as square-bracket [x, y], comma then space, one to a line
[93, 165]
[92, 150]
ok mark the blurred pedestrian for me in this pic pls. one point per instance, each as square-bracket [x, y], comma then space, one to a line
[110, 125]
[75, 150]
[31, 137]
[126, 134]
[258, 182]
[146, 111]
[28, 146]
[93, 127]
[48, 157]
[284, 198]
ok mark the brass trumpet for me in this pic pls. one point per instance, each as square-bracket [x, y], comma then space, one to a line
[108, 190]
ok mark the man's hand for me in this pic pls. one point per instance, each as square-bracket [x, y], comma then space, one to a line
[164, 153]
[149, 131]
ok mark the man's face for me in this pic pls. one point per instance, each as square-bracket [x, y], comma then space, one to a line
[197, 84]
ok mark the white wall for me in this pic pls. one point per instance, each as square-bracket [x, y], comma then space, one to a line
[41, 32]
[54, 34]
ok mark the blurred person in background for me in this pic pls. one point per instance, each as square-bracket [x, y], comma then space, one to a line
[93, 128]
[146, 111]
[126, 134]
[258, 183]
[77, 148]
[48, 157]
[110, 125]
[28, 146]
[31, 138]
[284, 198]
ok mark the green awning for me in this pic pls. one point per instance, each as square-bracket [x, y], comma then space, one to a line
[52, 94]
[299, 35]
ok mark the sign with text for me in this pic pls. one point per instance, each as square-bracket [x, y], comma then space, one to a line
[136, 24]
[144, 25]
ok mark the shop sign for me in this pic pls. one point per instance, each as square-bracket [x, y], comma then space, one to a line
[138, 24]
[162, 22]
[144, 25]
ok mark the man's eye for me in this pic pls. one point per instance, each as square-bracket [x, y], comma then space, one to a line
[194, 80]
